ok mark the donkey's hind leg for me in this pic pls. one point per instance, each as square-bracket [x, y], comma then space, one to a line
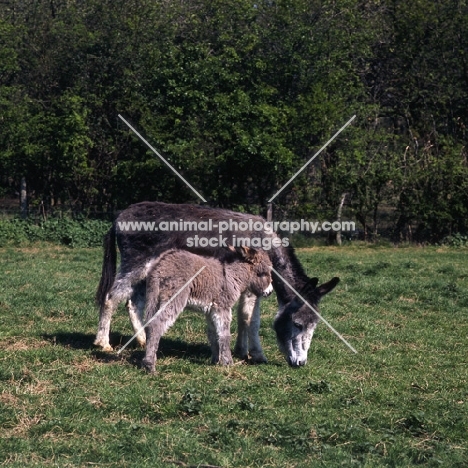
[136, 310]
[248, 338]
[120, 291]
[105, 316]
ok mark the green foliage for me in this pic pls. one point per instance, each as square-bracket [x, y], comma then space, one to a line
[191, 403]
[238, 96]
[61, 231]
[318, 387]
[457, 240]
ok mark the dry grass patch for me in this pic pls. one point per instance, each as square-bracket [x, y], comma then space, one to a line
[38, 387]
[9, 399]
[85, 364]
[58, 318]
[56, 250]
[22, 427]
[22, 344]
[95, 400]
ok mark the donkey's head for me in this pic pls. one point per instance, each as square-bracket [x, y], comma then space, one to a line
[295, 324]
[260, 281]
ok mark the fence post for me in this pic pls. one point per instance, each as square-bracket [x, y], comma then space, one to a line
[269, 212]
[23, 199]
[338, 217]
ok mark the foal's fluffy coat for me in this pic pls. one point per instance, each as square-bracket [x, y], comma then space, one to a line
[213, 291]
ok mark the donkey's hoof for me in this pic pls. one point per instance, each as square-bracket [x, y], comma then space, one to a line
[104, 347]
[258, 359]
[243, 357]
[141, 343]
[242, 354]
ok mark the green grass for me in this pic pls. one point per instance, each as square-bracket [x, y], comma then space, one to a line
[402, 401]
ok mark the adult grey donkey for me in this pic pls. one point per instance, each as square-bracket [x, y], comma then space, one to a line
[295, 322]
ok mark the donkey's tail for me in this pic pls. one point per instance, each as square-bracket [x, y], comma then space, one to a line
[109, 267]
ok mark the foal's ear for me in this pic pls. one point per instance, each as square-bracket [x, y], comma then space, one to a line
[325, 288]
[248, 254]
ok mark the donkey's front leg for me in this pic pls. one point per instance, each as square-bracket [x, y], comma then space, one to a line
[241, 350]
[219, 334]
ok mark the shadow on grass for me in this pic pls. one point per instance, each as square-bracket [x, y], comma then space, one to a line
[195, 352]
[71, 340]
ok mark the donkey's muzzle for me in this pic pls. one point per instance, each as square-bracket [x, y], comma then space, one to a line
[268, 291]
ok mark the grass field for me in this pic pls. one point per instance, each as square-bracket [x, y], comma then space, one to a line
[401, 401]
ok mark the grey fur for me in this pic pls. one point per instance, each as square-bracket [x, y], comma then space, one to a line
[214, 291]
[295, 325]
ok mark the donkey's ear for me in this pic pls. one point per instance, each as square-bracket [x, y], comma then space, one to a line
[325, 288]
[308, 289]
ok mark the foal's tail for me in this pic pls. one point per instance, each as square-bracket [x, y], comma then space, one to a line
[109, 267]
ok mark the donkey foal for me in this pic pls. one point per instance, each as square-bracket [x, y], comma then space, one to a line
[213, 292]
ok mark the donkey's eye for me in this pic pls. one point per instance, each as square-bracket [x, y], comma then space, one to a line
[298, 325]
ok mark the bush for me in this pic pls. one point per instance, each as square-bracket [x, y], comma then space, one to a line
[456, 240]
[64, 231]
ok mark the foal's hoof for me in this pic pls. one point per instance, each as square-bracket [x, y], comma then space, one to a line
[227, 361]
[148, 366]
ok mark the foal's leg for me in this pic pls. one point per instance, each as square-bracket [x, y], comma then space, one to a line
[219, 334]
[159, 316]
[213, 340]
[155, 330]
[248, 318]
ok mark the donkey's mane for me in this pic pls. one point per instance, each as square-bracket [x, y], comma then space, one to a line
[286, 263]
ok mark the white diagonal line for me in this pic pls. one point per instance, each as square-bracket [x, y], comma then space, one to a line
[161, 157]
[161, 309]
[314, 310]
[312, 158]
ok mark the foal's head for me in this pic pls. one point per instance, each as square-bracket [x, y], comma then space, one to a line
[260, 281]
